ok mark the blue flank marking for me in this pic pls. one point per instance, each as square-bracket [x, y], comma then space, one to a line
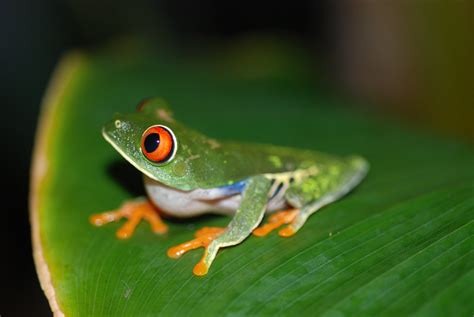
[236, 188]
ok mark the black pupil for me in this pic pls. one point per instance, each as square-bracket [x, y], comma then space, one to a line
[151, 142]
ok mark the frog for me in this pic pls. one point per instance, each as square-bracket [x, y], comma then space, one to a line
[188, 174]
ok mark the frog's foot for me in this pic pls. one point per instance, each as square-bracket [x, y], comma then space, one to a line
[134, 211]
[277, 220]
[204, 237]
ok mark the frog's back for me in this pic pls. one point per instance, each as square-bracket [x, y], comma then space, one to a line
[253, 159]
[273, 158]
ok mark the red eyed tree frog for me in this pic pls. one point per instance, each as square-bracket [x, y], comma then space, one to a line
[187, 173]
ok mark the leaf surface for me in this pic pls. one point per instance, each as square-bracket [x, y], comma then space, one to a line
[401, 243]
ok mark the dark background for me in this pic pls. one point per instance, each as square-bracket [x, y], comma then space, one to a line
[405, 60]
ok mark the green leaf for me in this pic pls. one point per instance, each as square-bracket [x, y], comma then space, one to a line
[401, 243]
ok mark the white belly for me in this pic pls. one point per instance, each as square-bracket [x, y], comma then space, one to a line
[181, 203]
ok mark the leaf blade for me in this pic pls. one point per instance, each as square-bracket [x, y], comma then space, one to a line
[409, 202]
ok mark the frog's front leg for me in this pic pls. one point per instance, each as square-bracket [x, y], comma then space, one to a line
[246, 219]
[134, 210]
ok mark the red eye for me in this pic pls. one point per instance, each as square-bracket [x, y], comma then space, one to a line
[158, 144]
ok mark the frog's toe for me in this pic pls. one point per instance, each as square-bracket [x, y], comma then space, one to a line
[105, 217]
[201, 268]
[204, 237]
[298, 221]
[134, 211]
[275, 221]
[286, 232]
[157, 225]
[209, 232]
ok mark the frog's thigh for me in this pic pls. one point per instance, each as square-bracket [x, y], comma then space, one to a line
[339, 189]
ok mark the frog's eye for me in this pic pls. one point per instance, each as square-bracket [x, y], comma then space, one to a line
[158, 144]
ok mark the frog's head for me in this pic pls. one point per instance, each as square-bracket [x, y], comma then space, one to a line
[160, 147]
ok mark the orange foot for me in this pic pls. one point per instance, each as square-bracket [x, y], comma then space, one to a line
[204, 237]
[277, 220]
[134, 211]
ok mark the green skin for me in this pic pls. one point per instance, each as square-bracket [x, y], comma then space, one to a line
[203, 163]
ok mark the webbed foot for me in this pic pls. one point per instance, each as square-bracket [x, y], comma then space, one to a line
[276, 221]
[204, 237]
[134, 211]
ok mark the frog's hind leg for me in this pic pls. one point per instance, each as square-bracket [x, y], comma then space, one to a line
[134, 211]
[246, 219]
[303, 215]
[310, 208]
